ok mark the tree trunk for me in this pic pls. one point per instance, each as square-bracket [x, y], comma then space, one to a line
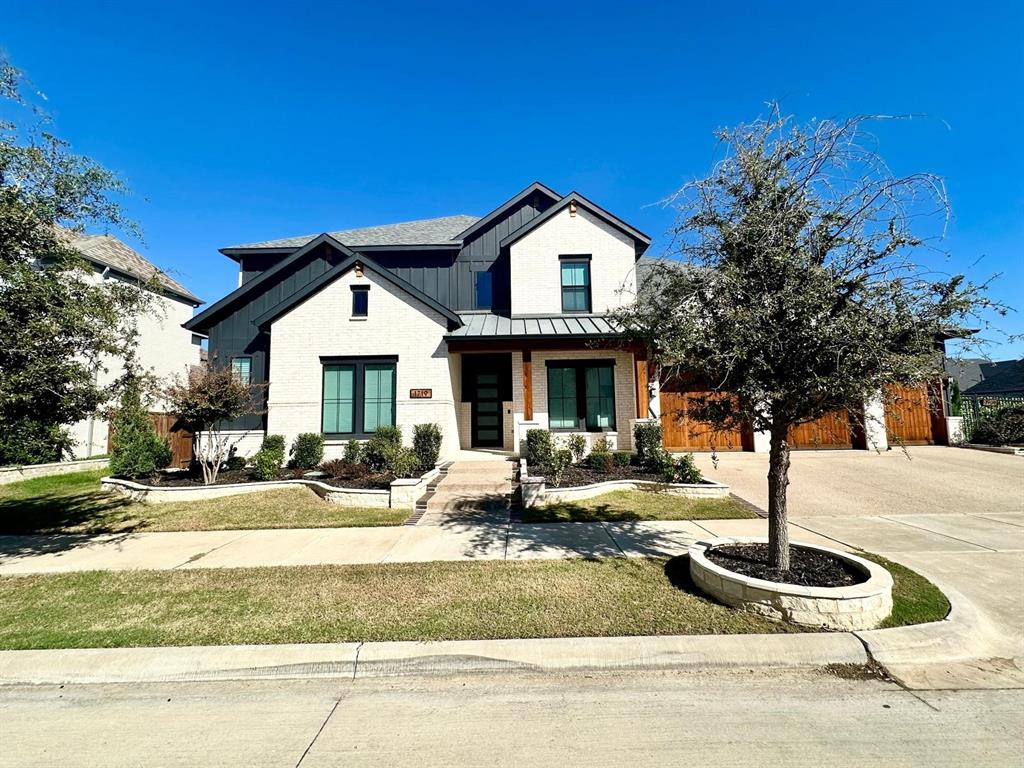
[778, 479]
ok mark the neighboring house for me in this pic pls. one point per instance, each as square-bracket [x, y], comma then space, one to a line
[978, 377]
[164, 347]
[486, 326]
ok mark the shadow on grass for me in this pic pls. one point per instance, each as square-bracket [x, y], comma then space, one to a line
[571, 512]
[677, 571]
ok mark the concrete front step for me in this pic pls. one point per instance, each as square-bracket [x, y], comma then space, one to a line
[481, 487]
[481, 469]
[465, 502]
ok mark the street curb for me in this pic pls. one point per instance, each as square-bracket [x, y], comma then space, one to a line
[449, 657]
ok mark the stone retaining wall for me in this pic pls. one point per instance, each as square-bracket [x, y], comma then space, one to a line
[861, 606]
[29, 471]
[403, 493]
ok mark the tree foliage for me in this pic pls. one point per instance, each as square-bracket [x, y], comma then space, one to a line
[205, 399]
[138, 451]
[58, 323]
[796, 287]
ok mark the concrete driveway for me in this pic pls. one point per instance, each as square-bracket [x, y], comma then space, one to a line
[933, 480]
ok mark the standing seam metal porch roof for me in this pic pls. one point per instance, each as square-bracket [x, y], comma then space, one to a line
[477, 325]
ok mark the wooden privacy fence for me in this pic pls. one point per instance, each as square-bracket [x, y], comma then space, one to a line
[179, 439]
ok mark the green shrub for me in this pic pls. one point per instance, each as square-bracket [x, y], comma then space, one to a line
[308, 450]
[266, 464]
[380, 448]
[577, 445]
[660, 462]
[402, 462]
[647, 441]
[560, 461]
[686, 470]
[600, 461]
[1004, 426]
[539, 449]
[30, 442]
[353, 452]
[426, 444]
[138, 451]
[234, 461]
[622, 458]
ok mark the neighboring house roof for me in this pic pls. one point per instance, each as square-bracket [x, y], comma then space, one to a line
[108, 251]
[970, 371]
[489, 326]
[1008, 378]
[441, 231]
[328, 277]
[640, 240]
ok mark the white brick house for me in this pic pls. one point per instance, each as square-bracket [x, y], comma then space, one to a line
[485, 326]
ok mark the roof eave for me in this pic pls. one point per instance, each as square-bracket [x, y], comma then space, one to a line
[479, 224]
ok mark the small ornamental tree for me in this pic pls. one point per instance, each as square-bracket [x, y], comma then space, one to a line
[138, 451]
[204, 401]
[795, 290]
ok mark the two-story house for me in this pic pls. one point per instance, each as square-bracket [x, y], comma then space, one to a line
[486, 326]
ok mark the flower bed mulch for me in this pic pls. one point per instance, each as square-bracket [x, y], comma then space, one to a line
[359, 477]
[807, 567]
[577, 474]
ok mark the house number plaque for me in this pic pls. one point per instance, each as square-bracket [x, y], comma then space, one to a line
[421, 394]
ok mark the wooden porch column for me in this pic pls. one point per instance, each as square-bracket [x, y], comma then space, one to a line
[527, 385]
[643, 394]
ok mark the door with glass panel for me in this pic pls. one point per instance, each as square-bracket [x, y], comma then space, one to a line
[488, 420]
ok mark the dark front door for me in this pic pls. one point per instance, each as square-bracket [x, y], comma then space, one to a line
[488, 420]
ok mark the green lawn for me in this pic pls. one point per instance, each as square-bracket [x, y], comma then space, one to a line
[75, 503]
[636, 505]
[397, 601]
[915, 600]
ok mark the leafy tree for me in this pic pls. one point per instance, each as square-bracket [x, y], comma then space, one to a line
[795, 289]
[58, 324]
[137, 449]
[203, 401]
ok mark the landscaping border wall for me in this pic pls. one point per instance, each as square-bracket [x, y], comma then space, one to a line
[27, 472]
[403, 493]
[860, 606]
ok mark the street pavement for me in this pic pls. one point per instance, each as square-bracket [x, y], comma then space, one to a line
[790, 718]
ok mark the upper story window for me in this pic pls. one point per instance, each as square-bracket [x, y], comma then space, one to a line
[484, 291]
[360, 300]
[575, 272]
[241, 369]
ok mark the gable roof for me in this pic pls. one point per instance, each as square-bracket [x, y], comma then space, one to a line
[510, 203]
[640, 240]
[108, 251]
[1009, 377]
[441, 231]
[328, 277]
[206, 317]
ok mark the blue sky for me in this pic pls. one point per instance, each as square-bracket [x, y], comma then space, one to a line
[235, 122]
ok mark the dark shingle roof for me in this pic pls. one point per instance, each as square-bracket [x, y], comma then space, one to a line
[441, 231]
[1008, 378]
[486, 325]
[108, 251]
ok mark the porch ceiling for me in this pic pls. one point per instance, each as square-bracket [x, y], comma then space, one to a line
[488, 326]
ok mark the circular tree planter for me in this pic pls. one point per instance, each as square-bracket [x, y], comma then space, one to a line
[858, 606]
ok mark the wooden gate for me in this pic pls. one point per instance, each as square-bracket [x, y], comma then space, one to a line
[681, 433]
[180, 440]
[830, 432]
[911, 416]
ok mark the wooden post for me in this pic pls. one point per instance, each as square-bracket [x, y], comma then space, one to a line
[527, 385]
[643, 394]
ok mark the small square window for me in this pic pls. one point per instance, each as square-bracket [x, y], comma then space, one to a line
[360, 301]
[241, 369]
[484, 290]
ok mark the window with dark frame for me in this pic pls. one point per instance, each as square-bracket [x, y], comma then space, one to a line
[358, 396]
[484, 290]
[360, 300]
[581, 395]
[241, 369]
[575, 281]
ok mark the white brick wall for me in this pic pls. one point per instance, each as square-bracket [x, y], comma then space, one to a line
[625, 392]
[396, 325]
[536, 276]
